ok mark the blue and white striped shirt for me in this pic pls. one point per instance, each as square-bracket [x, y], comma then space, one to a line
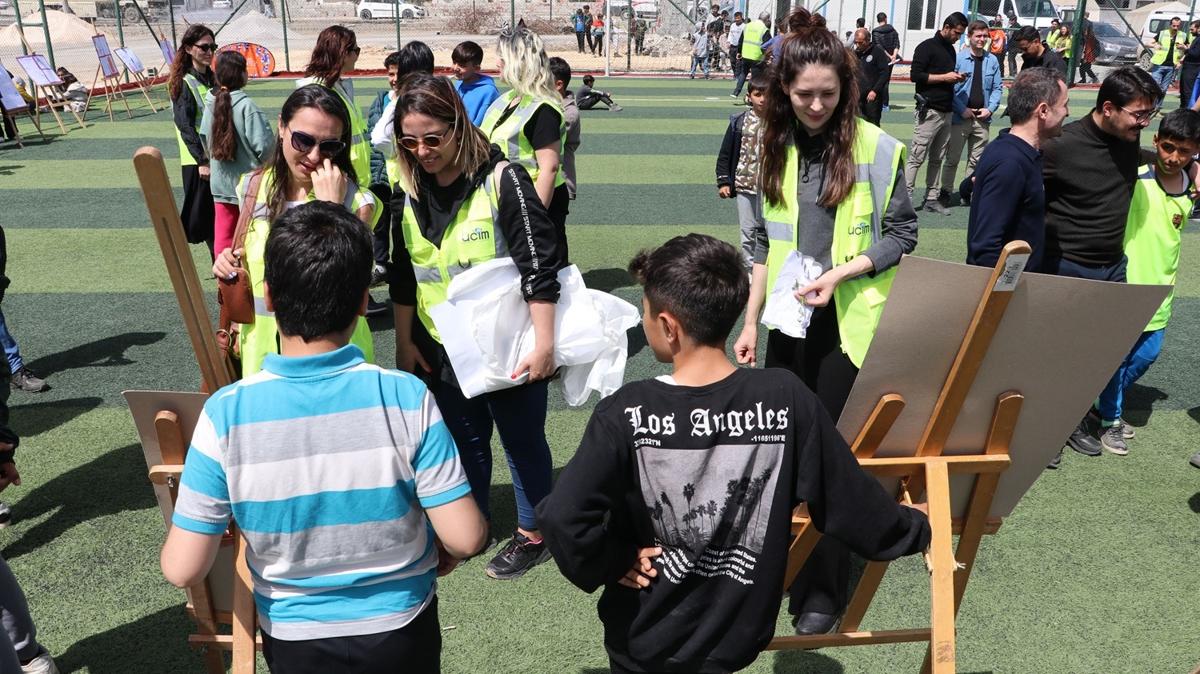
[327, 464]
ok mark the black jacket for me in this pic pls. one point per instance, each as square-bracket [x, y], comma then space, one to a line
[873, 71]
[731, 151]
[934, 56]
[184, 111]
[886, 37]
[1048, 59]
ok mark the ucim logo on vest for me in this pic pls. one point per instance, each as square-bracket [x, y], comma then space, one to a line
[860, 229]
[477, 234]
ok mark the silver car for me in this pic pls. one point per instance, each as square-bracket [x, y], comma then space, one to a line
[1114, 45]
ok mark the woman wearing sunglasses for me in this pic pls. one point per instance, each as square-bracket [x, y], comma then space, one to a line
[527, 121]
[464, 203]
[311, 161]
[334, 55]
[191, 78]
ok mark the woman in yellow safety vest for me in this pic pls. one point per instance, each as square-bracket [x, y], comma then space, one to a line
[462, 203]
[311, 161]
[191, 78]
[833, 189]
[527, 122]
[332, 59]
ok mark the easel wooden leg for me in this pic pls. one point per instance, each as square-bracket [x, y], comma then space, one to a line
[53, 111]
[244, 616]
[145, 87]
[799, 551]
[941, 549]
[12, 119]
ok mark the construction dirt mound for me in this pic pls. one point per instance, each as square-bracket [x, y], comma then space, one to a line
[253, 26]
[65, 29]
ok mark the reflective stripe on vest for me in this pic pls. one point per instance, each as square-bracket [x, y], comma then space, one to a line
[1153, 238]
[199, 91]
[510, 134]
[471, 238]
[260, 338]
[752, 39]
[857, 225]
[1164, 43]
[360, 137]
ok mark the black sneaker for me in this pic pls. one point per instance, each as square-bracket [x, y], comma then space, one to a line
[25, 380]
[379, 275]
[5, 515]
[1083, 439]
[1056, 462]
[376, 308]
[518, 556]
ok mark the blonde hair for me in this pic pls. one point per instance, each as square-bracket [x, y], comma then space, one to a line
[526, 67]
[435, 97]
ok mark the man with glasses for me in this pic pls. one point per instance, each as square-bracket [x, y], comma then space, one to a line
[1036, 53]
[1090, 172]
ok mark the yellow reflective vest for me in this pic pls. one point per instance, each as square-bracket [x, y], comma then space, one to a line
[856, 225]
[199, 91]
[257, 339]
[1154, 237]
[360, 135]
[752, 39]
[510, 134]
[471, 238]
[1164, 44]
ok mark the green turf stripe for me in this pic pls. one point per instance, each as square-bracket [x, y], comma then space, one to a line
[92, 208]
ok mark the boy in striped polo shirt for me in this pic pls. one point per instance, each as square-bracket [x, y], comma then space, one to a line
[342, 475]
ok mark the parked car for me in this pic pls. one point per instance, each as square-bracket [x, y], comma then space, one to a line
[222, 4]
[374, 9]
[644, 9]
[1114, 45]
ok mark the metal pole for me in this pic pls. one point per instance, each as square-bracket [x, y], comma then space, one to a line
[512, 13]
[46, 33]
[396, 15]
[20, 25]
[220, 28]
[171, 14]
[629, 39]
[120, 24]
[287, 55]
[1191, 15]
[608, 34]
[1076, 41]
[974, 9]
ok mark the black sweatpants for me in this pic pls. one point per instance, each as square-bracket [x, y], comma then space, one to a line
[197, 212]
[415, 648]
[821, 585]
[560, 206]
[384, 226]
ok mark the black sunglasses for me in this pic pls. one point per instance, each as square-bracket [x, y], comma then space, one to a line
[304, 143]
[356, 49]
[208, 46]
[429, 140]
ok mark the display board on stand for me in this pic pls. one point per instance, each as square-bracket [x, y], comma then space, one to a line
[108, 75]
[137, 72]
[14, 104]
[46, 84]
[967, 415]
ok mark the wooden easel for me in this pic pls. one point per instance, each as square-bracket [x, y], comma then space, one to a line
[109, 80]
[929, 473]
[11, 113]
[215, 373]
[54, 99]
[137, 72]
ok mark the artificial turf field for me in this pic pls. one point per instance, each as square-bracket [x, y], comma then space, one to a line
[1094, 572]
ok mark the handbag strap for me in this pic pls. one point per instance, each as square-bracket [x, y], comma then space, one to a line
[249, 202]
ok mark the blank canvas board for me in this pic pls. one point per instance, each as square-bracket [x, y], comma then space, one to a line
[1058, 345]
[168, 51]
[9, 96]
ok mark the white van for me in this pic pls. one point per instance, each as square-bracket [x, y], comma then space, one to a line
[1037, 13]
[1160, 20]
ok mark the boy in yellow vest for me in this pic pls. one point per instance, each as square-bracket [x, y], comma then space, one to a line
[1153, 237]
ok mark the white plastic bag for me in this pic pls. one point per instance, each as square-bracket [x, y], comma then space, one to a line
[486, 329]
[783, 311]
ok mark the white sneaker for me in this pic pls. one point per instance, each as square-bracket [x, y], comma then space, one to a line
[42, 664]
[5, 515]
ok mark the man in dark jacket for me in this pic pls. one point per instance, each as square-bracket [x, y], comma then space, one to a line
[933, 71]
[1189, 68]
[873, 68]
[1038, 53]
[888, 39]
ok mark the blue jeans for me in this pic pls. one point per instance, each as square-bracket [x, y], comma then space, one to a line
[1164, 75]
[748, 69]
[519, 415]
[699, 61]
[11, 351]
[1111, 403]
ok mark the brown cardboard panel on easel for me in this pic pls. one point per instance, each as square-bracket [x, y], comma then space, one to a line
[1057, 345]
[145, 406]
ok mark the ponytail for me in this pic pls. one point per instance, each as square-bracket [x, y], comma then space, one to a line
[229, 76]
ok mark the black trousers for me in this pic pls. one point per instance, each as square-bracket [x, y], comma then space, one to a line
[1187, 81]
[197, 212]
[560, 205]
[382, 229]
[872, 111]
[821, 585]
[415, 648]
[579, 39]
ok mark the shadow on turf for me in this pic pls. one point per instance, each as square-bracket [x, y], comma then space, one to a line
[36, 418]
[112, 483]
[786, 662]
[1139, 400]
[107, 352]
[607, 280]
[155, 643]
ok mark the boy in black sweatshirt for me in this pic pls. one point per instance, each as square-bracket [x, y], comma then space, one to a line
[679, 499]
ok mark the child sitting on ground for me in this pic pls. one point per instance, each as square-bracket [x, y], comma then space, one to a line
[476, 89]
[1158, 213]
[737, 169]
[334, 470]
[587, 97]
[683, 486]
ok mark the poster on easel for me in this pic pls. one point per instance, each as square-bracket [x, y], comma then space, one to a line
[9, 96]
[130, 59]
[168, 51]
[40, 72]
[42, 76]
[108, 65]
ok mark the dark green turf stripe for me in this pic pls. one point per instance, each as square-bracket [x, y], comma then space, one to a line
[78, 207]
[67, 148]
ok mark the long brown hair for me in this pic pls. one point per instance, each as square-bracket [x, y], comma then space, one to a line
[330, 51]
[310, 96]
[229, 76]
[809, 42]
[183, 60]
[434, 96]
